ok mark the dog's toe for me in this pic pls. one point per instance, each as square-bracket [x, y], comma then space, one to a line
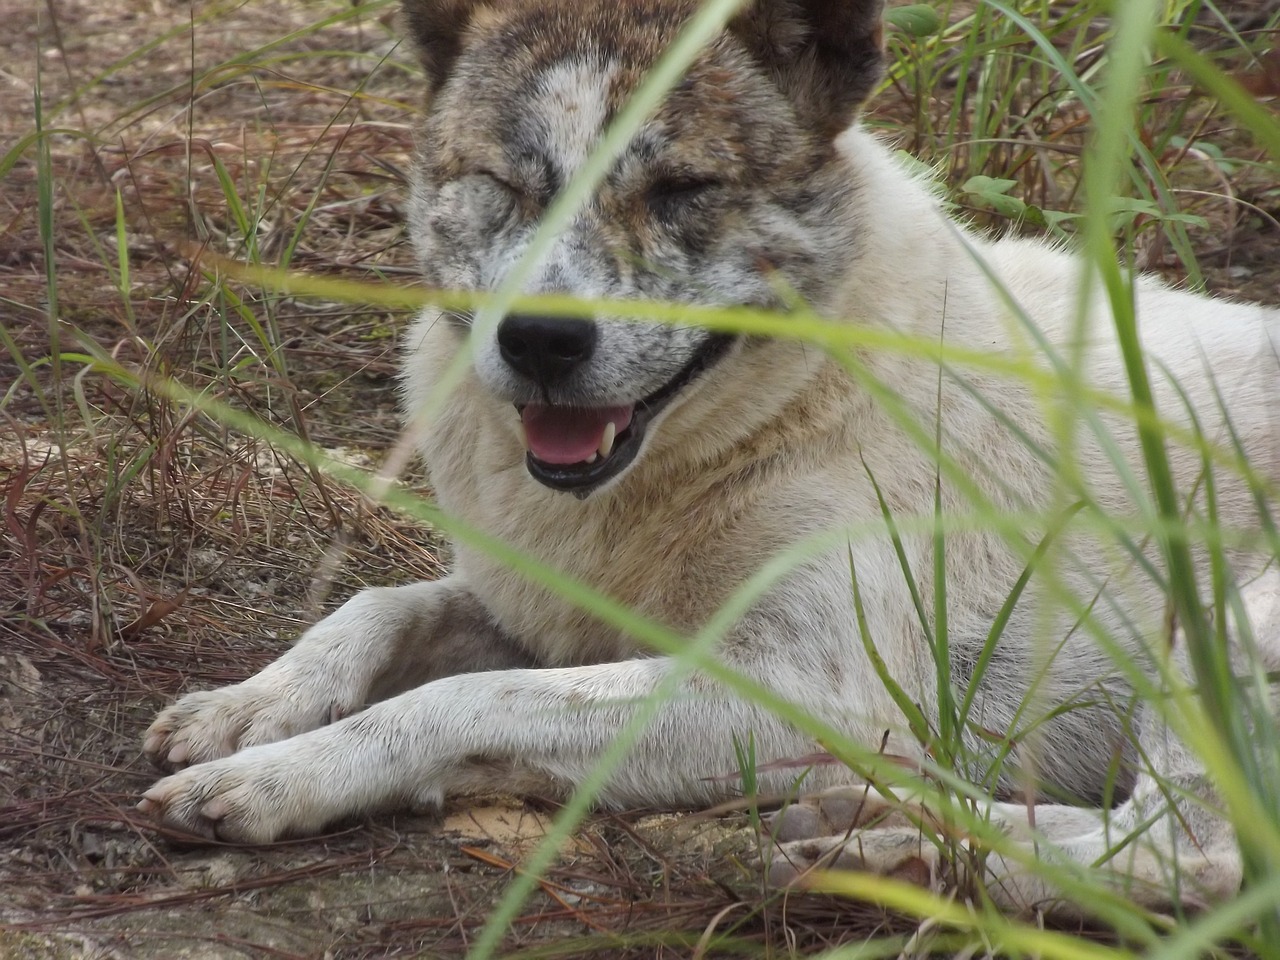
[792, 861]
[799, 821]
[168, 803]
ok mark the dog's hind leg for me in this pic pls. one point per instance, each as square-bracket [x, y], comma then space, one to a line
[380, 643]
[1161, 848]
[1168, 845]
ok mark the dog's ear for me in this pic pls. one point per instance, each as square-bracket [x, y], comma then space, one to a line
[826, 55]
[436, 27]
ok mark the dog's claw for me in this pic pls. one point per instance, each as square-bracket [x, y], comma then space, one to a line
[215, 810]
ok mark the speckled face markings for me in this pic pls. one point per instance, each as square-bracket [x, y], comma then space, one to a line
[566, 108]
[728, 195]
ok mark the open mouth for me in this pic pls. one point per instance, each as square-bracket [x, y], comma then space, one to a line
[577, 449]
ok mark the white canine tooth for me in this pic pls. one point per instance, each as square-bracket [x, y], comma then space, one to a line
[606, 439]
[524, 437]
[592, 458]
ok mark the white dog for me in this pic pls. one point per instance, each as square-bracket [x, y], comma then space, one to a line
[664, 465]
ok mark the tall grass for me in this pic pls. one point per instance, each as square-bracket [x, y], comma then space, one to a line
[1036, 116]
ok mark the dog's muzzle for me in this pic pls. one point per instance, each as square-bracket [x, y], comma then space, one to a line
[578, 449]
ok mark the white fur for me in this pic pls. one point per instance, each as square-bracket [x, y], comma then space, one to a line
[773, 444]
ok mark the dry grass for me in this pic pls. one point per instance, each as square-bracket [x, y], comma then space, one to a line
[148, 550]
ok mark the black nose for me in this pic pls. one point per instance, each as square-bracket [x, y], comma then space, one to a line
[545, 349]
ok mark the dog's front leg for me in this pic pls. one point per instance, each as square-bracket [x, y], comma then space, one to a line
[521, 730]
[379, 643]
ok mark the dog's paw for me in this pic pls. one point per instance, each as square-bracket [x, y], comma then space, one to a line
[206, 726]
[357, 766]
[898, 852]
[829, 813]
[246, 798]
[849, 828]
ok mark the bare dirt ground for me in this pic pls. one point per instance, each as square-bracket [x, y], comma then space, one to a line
[148, 550]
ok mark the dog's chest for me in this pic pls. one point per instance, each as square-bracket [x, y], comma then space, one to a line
[672, 562]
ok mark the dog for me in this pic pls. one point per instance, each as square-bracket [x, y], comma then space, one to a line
[665, 465]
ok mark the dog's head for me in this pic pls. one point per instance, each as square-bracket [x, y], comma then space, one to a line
[728, 195]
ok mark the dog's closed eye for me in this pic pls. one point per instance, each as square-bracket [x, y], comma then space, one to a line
[519, 195]
[670, 195]
[498, 181]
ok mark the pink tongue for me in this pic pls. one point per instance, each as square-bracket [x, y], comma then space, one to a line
[569, 434]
